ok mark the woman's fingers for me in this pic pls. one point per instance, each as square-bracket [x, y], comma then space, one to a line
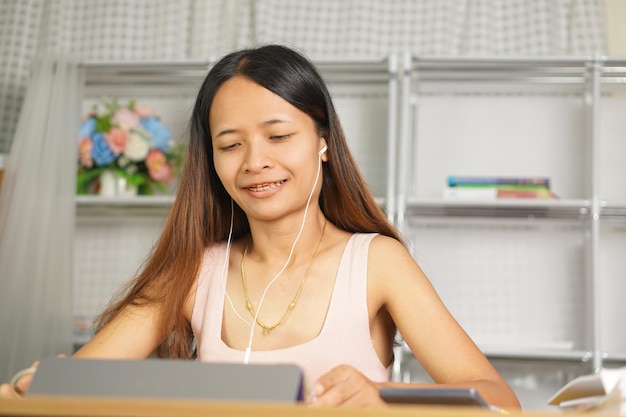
[19, 383]
[345, 385]
[22, 383]
[8, 392]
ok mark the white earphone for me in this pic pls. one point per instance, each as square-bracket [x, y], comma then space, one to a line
[248, 350]
[324, 148]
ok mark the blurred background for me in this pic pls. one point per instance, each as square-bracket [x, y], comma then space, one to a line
[425, 89]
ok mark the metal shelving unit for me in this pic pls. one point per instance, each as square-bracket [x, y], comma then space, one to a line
[108, 207]
[585, 79]
[574, 209]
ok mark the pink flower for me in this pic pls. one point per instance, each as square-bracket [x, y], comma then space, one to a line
[143, 111]
[84, 152]
[125, 119]
[116, 139]
[158, 168]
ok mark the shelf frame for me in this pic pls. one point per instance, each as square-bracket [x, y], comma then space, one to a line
[588, 77]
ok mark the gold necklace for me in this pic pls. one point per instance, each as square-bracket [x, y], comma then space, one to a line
[267, 329]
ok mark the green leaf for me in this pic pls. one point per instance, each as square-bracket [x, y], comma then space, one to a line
[145, 189]
[135, 179]
[85, 177]
[103, 123]
[160, 186]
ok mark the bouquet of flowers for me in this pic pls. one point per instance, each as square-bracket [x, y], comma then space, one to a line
[130, 141]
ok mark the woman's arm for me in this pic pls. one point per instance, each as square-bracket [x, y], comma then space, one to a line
[435, 338]
[397, 284]
[132, 334]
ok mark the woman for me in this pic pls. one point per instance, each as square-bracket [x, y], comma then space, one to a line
[275, 251]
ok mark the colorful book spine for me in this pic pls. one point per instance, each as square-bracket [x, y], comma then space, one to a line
[542, 194]
[467, 181]
[492, 188]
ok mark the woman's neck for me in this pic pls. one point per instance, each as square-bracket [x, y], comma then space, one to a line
[272, 242]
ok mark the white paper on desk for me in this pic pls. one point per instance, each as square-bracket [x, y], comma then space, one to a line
[594, 385]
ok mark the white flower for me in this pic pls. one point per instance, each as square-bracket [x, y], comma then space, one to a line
[126, 119]
[137, 147]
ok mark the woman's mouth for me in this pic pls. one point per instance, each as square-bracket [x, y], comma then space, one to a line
[265, 186]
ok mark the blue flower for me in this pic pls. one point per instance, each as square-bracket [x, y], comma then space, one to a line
[100, 152]
[87, 128]
[159, 133]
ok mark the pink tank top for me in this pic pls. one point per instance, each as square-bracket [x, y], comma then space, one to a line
[344, 339]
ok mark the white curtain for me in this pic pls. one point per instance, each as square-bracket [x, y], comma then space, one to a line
[170, 30]
[374, 28]
[107, 30]
[37, 217]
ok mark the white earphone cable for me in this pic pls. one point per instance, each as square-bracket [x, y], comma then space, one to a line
[293, 246]
[225, 266]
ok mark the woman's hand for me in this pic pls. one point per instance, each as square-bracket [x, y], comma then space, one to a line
[19, 387]
[344, 385]
[8, 392]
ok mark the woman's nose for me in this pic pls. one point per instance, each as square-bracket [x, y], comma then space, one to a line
[258, 156]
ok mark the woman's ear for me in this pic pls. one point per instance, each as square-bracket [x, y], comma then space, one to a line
[323, 149]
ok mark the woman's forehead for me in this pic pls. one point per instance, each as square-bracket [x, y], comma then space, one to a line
[241, 101]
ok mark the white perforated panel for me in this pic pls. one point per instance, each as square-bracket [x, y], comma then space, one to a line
[511, 284]
[364, 120]
[108, 252]
[613, 287]
[613, 148]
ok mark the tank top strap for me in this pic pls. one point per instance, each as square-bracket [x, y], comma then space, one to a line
[207, 315]
[350, 293]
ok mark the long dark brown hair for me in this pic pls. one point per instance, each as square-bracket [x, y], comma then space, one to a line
[201, 213]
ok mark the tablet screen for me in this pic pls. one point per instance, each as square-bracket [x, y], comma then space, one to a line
[433, 396]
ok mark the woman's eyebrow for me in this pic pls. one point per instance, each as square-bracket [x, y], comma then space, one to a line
[273, 122]
[269, 122]
[225, 132]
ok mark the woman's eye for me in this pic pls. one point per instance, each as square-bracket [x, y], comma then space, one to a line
[279, 137]
[229, 147]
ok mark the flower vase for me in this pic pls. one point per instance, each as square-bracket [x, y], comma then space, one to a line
[113, 185]
[108, 184]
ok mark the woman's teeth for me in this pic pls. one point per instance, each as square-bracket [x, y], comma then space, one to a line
[265, 187]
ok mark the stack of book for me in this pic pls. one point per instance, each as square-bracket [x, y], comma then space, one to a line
[604, 391]
[492, 188]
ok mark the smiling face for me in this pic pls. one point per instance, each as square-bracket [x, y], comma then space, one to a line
[265, 150]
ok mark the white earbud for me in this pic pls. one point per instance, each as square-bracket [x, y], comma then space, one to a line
[324, 148]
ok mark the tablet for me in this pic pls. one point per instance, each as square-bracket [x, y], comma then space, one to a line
[433, 396]
[168, 378]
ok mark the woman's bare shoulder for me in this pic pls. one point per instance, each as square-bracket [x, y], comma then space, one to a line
[385, 249]
[392, 266]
